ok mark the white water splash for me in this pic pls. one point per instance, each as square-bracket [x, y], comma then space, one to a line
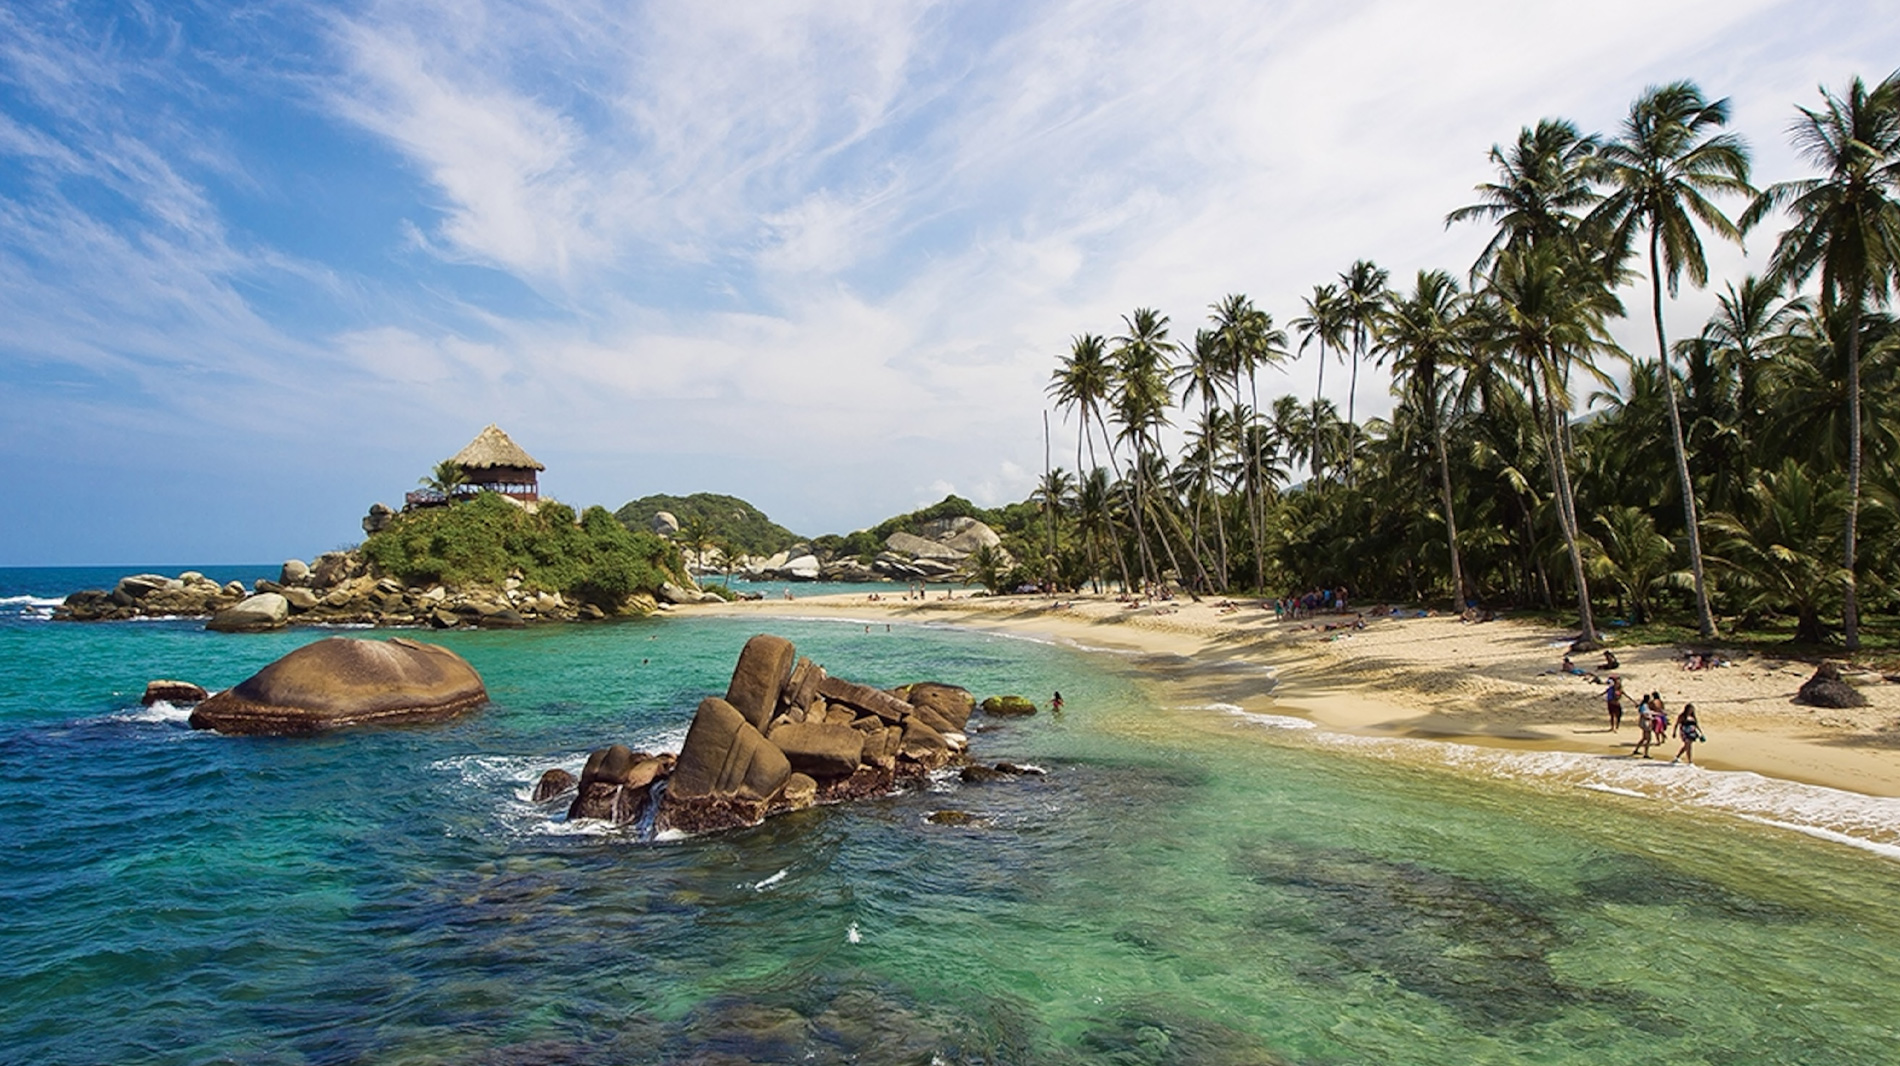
[769, 882]
[851, 935]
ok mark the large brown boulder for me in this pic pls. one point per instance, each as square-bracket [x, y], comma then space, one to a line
[726, 774]
[765, 663]
[1828, 689]
[820, 751]
[345, 682]
[948, 702]
[864, 698]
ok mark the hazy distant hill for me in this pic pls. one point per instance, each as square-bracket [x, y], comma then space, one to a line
[727, 518]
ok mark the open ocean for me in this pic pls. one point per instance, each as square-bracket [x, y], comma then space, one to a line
[1188, 885]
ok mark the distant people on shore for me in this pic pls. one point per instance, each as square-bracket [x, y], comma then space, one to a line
[1613, 698]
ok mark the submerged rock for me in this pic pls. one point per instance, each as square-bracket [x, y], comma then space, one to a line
[1009, 706]
[553, 784]
[343, 682]
[173, 692]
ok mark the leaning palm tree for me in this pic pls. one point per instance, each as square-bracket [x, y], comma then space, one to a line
[1205, 374]
[1361, 297]
[1662, 166]
[1550, 310]
[1141, 401]
[1324, 323]
[1846, 223]
[1426, 332]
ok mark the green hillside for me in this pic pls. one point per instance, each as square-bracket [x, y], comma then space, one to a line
[728, 519]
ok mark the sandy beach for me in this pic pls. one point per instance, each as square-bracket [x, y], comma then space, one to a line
[1437, 678]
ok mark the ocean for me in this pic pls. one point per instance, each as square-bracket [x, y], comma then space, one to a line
[1187, 884]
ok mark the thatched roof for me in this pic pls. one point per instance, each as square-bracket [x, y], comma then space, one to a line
[490, 448]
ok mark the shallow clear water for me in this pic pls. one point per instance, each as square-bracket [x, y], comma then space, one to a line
[1187, 885]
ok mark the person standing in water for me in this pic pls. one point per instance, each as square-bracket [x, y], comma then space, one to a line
[1055, 705]
[1690, 730]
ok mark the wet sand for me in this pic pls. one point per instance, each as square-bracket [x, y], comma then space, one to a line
[1435, 678]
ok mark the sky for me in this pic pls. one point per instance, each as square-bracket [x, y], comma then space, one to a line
[262, 265]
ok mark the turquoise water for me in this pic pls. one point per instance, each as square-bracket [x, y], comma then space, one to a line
[1187, 885]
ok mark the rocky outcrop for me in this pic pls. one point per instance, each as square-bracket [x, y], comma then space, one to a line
[342, 682]
[172, 692]
[1009, 706]
[1827, 688]
[786, 736]
[339, 588]
[254, 614]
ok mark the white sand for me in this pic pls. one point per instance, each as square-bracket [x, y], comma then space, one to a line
[1438, 678]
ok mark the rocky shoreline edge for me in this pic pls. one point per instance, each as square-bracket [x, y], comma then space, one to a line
[343, 589]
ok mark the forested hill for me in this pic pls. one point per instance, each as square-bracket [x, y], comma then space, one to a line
[728, 520]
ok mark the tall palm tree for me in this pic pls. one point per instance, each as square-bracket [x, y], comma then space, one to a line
[1425, 332]
[1205, 374]
[1361, 297]
[1325, 324]
[1141, 399]
[1846, 223]
[1542, 189]
[1551, 310]
[1084, 380]
[1662, 165]
[1250, 340]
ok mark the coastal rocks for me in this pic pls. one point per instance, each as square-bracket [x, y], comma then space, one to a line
[1008, 706]
[553, 785]
[265, 610]
[294, 572]
[786, 736]
[378, 519]
[671, 593]
[1827, 688]
[343, 682]
[172, 692]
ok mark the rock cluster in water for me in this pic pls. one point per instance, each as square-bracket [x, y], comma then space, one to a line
[341, 682]
[339, 588]
[786, 736]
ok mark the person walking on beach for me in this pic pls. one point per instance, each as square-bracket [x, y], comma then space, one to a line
[1690, 730]
[1646, 719]
[1613, 697]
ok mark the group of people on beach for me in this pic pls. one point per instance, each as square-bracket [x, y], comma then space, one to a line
[1304, 605]
[1653, 719]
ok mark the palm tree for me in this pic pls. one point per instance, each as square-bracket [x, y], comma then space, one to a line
[1094, 506]
[1250, 341]
[1052, 495]
[445, 477]
[1424, 333]
[1361, 297]
[1204, 374]
[1543, 183]
[1084, 381]
[1141, 401]
[1777, 544]
[1325, 323]
[1663, 164]
[1551, 310]
[1847, 224]
[1628, 552]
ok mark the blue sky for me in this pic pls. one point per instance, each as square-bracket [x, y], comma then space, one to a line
[262, 265]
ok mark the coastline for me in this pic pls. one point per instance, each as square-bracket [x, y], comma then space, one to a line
[1433, 679]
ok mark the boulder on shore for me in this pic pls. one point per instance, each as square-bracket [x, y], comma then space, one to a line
[343, 682]
[1828, 689]
[266, 610]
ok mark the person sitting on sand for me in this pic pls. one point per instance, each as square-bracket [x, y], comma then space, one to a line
[1609, 660]
[1690, 730]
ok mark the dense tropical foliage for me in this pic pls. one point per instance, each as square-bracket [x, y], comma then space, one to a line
[1745, 470]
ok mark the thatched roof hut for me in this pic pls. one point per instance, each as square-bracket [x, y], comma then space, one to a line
[495, 462]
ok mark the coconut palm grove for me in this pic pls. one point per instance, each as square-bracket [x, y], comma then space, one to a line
[1735, 474]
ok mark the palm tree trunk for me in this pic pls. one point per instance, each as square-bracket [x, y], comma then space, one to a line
[1451, 521]
[1319, 391]
[1352, 399]
[1705, 618]
[1850, 601]
[1567, 519]
[1108, 442]
[1254, 515]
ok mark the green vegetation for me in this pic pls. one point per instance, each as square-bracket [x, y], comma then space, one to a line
[1742, 479]
[734, 525]
[486, 539]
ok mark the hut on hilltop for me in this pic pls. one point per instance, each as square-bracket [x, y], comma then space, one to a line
[494, 462]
